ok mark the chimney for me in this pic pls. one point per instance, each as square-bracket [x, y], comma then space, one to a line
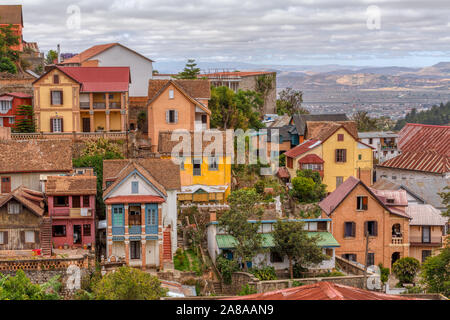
[58, 48]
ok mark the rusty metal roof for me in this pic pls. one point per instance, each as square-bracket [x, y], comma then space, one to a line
[426, 161]
[417, 137]
[425, 215]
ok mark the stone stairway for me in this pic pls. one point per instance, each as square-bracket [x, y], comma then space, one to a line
[167, 245]
[46, 236]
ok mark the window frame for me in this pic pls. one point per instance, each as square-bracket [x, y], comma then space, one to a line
[134, 187]
[64, 234]
[61, 97]
[135, 249]
[353, 229]
[363, 207]
[340, 155]
[28, 232]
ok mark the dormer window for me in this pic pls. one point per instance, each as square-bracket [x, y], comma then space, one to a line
[171, 94]
[390, 201]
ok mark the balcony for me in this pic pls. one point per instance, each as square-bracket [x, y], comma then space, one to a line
[397, 240]
[433, 240]
[115, 105]
[84, 105]
[135, 229]
[66, 212]
[60, 212]
[99, 105]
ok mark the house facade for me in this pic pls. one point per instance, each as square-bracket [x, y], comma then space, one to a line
[357, 210]
[12, 15]
[141, 201]
[28, 163]
[335, 153]
[177, 104]
[117, 55]
[385, 144]
[82, 99]
[9, 106]
[22, 222]
[71, 207]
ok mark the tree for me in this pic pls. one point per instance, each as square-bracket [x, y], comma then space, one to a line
[52, 55]
[264, 84]
[190, 70]
[6, 65]
[128, 283]
[25, 120]
[437, 115]
[235, 110]
[20, 287]
[436, 273]
[405, 269]
[445, 196]
[243, 207]
[293, 241]
[290, 102]
[364, 122]
[307, 187]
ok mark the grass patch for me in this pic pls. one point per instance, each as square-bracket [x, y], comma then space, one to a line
[181, 260]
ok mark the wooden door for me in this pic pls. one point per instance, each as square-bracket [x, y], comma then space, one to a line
[6, 184]
[86, 125]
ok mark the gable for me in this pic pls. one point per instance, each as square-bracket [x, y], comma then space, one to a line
[145, 187]
[47, 78]
[119, 53]
[25, 217]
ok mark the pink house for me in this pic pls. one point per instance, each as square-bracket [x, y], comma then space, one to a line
[71, 206]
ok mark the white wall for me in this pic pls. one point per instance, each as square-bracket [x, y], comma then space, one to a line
[141, 69]
[170, 216]
[125, 188]
[212, 243]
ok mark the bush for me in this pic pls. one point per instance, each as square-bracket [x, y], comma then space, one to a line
[384, 273]
[20, 287]
[127, 283]
[180, 260]
[330, 274]
[299, 270]
[6, 65]
[226, 267]
[264, 273]
[246, 290]
[405, 269]
[297, 283]
[436, 273]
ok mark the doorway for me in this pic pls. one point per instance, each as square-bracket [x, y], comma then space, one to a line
[395, 257]
[86, 125]
[77, 234]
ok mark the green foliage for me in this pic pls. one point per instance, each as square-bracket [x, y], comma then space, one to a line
[293, 241]
[384, 276]
[127, 283]
[437, 115]
[282, 160]
[141, 118]
[243, 207]
[20, 287]
[190, 71]
[297, 283]
[436, 273]
[180, 260]
[298, 270]
[290, 102]
[307, 187]
[330, 274]
[196, 228]
[405, 269]
[6, 65]
[226, 267]
[364, 122]
[235, 110]
[264, 84]
[264, 273]
[25, 120]
[445, 196]
[52, 55]
[246, 290]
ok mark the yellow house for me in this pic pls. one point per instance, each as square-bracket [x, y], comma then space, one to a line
[335, 153]
[82, 99]
[205, 176]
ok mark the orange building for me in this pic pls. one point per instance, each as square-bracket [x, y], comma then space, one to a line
[12, 15]
[356, 209]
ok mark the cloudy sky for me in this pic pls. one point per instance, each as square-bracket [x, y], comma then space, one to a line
[303, 32]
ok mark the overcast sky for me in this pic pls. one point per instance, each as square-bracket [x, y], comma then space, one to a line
[304, 32]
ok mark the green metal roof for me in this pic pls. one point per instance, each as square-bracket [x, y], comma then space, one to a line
[225, 241]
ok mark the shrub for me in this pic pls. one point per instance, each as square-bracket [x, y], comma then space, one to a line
[297, 283]
[180, 260]
[264, 273]
[330, 274]
[436, 273]
[226, 267]
[299, 270]
[20, 287]
[384, 273]
[6, 65]
[405, 269]
[246, 290]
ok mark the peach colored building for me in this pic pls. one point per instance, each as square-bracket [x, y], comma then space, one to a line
[12, 15]
[177, 104]
[356, 209]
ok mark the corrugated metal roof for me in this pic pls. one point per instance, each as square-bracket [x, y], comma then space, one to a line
[426, 161]
[323, 290]
[398, 197]
[425, 215]
[417, 137]
[225, 241]
[377, 134]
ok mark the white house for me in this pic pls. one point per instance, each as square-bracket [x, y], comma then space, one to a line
[117, 55]
[384, 143]
[141, 200]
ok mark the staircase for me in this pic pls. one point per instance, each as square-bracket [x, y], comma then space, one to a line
[167, 245]
[46, 236]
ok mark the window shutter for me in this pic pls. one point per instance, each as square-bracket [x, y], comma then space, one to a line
[353, 229]
[5, 237]
[344, 155]
[22, 236]
[36, 237]
[62, 97]
[167, 116]
[366, 229]
[51, 124]
[375, 228]
[336, 155]
[345, 229]
[176, 116]
[62, 125]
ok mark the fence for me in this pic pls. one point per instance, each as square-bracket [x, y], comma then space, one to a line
[75, 136]
[46, 264]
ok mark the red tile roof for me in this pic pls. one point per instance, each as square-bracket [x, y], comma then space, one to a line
[311, 158]
[427, 161]
[100, 79]
[417, 137]
[283, 173]
[134, 199]
[17, 95]
[323, 290]
[302, 148]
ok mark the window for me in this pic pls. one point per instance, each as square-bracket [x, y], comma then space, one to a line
[394, 177]
[86, 229]
[340, 137]
[134, 217]
[390, 201]
[171, 116]
[339, 181]
[371, 227]
[370, 141]
[181, 164]
[275, 257]
[361, 202]
[171, 94]
[110, 96]
[370, 259]
[86, 201]
[108, 183]
[213, 164]
[341, 155]
[14, 208]
[56, 125]
[312, 166]
[76, 202]
[61, 201]
[349, 256]
[349, 229]
[289, 162]
[4, 237]
[117, 216]
[359, 156]
[6, 185]
[134, 187]
[426, 234]
[425, 254]
[56, 79]
[59, 231]
[197, 167]
[5, 106]
[329, 252]
[204, 119]
[152, 218]
[135, 249]
[56, 97]
[29, 237]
